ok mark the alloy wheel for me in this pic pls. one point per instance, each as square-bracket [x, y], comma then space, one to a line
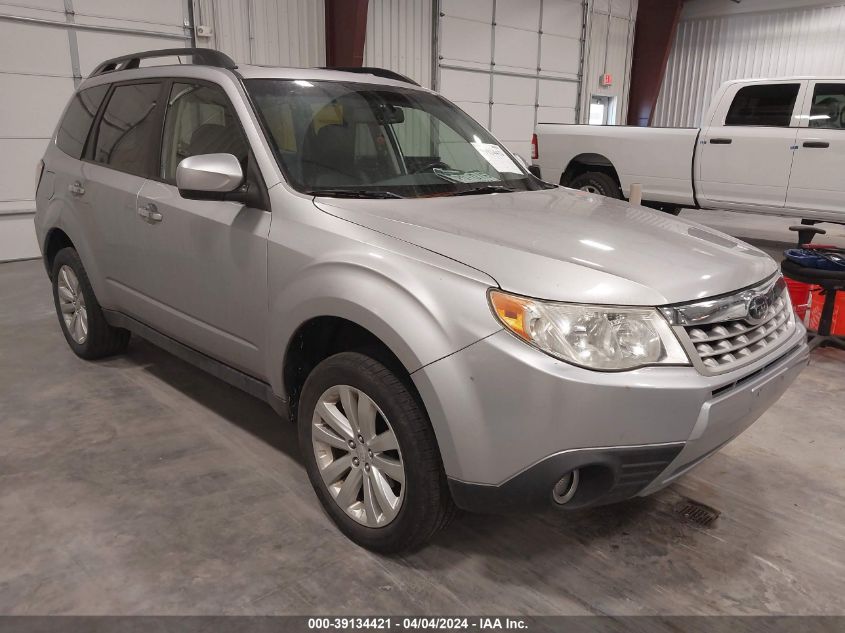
[72, 305]
[591, 189]
[358, 456]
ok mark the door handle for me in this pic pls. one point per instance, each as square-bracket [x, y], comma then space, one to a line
[76, 189]
[721, 141]
[149, 213]
[817, 144]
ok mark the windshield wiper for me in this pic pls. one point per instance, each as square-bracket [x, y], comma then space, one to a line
[482, 190]
[351, 193]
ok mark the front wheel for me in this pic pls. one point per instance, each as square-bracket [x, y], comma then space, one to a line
[597, 182]
[371, 454]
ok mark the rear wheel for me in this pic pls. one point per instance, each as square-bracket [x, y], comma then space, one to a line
[80, 316]
[597, 182]
[371, 454]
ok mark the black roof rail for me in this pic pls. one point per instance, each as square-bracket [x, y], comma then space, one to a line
[372, 70]
[199, 56]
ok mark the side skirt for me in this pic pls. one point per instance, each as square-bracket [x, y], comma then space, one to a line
[224, 372]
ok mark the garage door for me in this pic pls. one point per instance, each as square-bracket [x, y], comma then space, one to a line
[506, 62]
[46, 47]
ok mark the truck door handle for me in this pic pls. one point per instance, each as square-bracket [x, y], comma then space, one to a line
[721, 141]
[149, 213]
[76, 189]
[817, 144]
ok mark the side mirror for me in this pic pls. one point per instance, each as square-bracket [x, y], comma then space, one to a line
[210, 177]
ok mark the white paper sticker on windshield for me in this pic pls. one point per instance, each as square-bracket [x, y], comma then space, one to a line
[453, 175]
[494, 155]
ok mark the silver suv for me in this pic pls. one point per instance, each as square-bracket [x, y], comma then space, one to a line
[445, 329]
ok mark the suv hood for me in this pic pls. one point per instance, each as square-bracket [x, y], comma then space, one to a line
[567, 245]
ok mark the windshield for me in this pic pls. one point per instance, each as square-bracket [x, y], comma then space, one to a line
[362, 140]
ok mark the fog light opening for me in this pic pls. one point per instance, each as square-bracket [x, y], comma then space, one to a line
[565, 489]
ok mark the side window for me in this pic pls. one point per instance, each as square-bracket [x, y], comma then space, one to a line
[764, 105]
[199, 120]
[77, 121]
[127, 131]
[828, 109]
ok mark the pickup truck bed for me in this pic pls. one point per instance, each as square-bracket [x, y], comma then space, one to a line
[666, 173]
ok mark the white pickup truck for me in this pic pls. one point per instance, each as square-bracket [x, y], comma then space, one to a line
[766, 146]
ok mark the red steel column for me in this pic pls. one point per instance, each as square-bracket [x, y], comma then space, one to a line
[346, 30]
[657, 23]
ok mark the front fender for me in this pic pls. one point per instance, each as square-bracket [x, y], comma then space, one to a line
[422, 313]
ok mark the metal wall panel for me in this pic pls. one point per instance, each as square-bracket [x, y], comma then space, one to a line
[508, 62]
[71, 37]
[767, 44]
[267, 32]
[400, 37]
[609, 50]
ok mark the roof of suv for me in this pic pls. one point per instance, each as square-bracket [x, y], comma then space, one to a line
[211, 60]
[318, 74]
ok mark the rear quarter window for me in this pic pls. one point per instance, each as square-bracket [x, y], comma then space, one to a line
[77, 121]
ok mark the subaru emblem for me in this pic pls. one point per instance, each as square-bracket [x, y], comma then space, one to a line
[758, 307]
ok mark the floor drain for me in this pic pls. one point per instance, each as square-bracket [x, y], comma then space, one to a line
[697, 513]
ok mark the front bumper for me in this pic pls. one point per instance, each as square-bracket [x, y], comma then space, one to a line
[511, 421]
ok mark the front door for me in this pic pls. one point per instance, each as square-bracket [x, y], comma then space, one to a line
[745, 155]
[206, 270]
[817, 181]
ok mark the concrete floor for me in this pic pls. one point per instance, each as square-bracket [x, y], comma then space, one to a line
[140, 485]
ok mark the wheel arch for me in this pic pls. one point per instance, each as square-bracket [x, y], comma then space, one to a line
[55, 241]
[320, 337]
[586, 162]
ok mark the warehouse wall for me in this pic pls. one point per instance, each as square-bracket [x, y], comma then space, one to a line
[509, 63]
[265, 32]
[722, 40]
[609, 50]
[399, 37]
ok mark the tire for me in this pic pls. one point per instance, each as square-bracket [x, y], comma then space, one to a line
[424, 505]
[597, 182]
[100, 339]
[671, 209]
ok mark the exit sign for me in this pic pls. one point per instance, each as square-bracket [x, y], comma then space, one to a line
[606, 79]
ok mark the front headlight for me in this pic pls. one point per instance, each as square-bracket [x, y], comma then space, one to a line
[596, 337]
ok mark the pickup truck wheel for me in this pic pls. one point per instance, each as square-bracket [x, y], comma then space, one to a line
[80, 316]
[597, 182]
[371, 454]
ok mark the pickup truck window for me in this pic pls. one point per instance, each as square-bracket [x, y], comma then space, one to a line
[828, 109]
[367, 140]
[769, 105]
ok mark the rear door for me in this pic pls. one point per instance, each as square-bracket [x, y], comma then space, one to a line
[817, 180]
[64, 170]
[204, 277]
[745, 155]
[120, 155]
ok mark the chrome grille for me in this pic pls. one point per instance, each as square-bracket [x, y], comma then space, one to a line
[728, 332]
[726, 343]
